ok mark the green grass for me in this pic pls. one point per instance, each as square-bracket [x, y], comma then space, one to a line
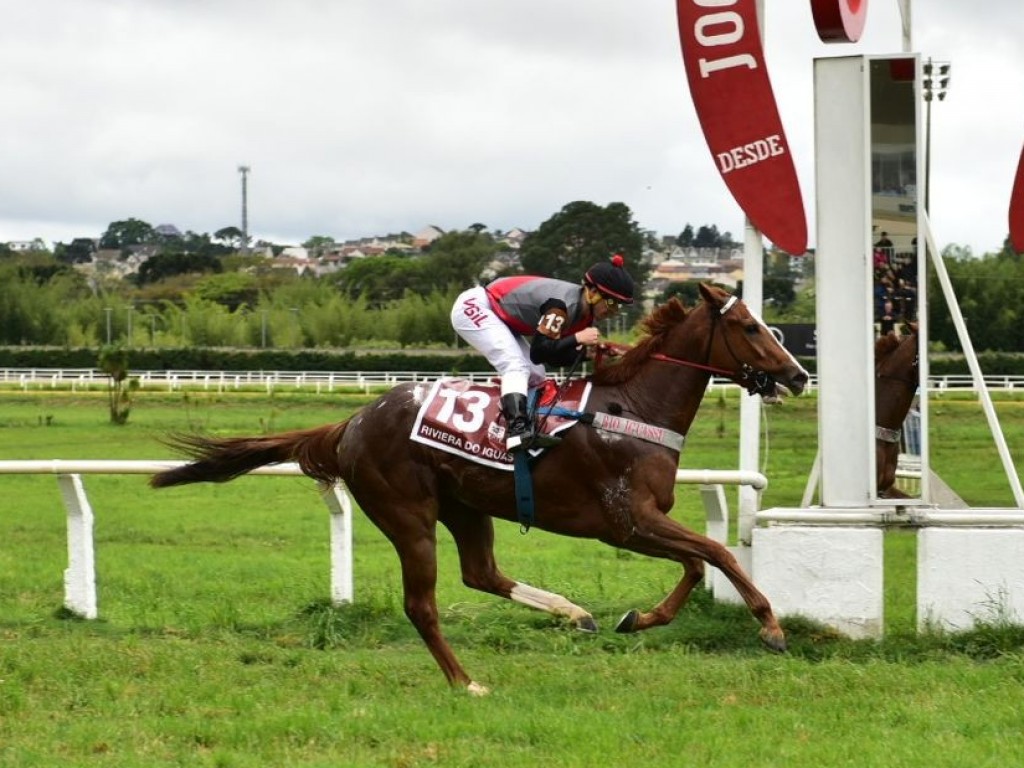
[217, 646]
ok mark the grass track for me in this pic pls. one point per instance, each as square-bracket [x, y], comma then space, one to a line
[216, 646]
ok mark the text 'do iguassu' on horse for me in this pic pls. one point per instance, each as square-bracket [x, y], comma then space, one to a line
[595, 484]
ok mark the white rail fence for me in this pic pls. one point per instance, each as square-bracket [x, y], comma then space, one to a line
[330, 381]
[84, 379]
[80, 595]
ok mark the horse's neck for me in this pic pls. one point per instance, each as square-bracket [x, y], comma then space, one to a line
[894, 392]
[663, 393]
[893, 398]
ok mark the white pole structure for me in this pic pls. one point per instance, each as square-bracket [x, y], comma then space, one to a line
[748, 499]
[908, 29]
[826, 563]
[844, 282]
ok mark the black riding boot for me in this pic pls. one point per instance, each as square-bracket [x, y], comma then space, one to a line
[518, 425]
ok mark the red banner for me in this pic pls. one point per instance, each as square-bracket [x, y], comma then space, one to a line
[736, 107]
[1017, 208]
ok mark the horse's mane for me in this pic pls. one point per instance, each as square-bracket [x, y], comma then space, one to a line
[656, 327]
[886, 346]
[890, 342]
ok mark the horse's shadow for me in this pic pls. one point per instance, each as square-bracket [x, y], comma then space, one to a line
[706, 626]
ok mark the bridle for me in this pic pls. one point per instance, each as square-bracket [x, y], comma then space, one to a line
[912, 381]
[754, 381]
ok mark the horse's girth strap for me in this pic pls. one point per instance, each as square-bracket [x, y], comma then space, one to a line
[622, 426]
[887, 435]
[638, 429]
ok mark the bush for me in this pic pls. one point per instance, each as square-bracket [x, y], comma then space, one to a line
[214, 359]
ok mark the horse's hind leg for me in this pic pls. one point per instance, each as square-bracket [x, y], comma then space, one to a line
[474, 536]
[419, 582]
[412, 532]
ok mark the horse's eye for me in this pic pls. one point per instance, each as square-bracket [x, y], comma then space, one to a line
[752, 329]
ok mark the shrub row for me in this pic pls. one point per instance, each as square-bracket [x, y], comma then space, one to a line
[217, 359]
[213, 359]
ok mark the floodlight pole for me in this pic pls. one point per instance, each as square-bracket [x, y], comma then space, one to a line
[244, 170]
[935, 85]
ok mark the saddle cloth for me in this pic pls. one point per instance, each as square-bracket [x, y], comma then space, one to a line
[463, 417]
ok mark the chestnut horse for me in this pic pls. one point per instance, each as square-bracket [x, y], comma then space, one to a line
[896, 381]
[594, 484]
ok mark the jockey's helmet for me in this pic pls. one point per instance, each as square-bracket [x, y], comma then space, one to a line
[611, 280]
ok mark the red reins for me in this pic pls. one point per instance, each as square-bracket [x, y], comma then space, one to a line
[610, 349]
[699, 366]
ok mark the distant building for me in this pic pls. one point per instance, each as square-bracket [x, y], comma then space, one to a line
[296, 252]
[426, 236]
[673, 271]
[21, 246]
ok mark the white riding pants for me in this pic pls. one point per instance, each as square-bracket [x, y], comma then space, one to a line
[509, 353]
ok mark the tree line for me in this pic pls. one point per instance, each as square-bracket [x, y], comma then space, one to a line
[198, 290]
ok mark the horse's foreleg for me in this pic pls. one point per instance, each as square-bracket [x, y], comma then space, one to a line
[660, 536]
[886, 459]
[474, 536]
[555, 604]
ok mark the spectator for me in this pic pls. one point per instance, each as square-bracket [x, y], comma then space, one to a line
[888, 320]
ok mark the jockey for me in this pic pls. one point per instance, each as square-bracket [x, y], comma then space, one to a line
[524, 322]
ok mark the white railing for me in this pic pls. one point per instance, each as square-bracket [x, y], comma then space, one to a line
[80, 576]
[330, 381]
[85, 379]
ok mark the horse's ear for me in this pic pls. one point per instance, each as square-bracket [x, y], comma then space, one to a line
[885, 344]
[711, 294]
[913, 328]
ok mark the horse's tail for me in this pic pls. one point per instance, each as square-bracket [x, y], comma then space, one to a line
[217, 460]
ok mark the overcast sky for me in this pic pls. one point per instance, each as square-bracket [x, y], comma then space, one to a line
[363, 117]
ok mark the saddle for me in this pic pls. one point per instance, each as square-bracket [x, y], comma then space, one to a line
[463, 417]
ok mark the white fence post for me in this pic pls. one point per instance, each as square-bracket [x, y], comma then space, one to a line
[340, 506]
[80, 575]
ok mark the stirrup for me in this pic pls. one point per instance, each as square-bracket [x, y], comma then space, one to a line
[530, 440]
[545, 441]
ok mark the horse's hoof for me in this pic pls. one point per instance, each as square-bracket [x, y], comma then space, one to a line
[475, 689]
[628, 622]
[586, 624]
[774, 641]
